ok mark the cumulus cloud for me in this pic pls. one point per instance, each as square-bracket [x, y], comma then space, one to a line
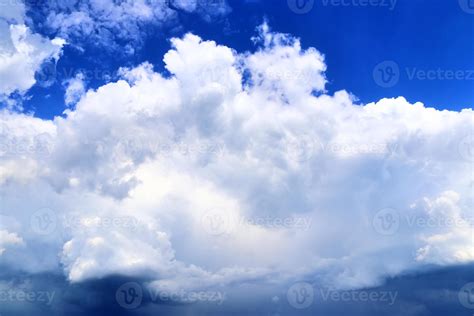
[237, 167]
[22, 52]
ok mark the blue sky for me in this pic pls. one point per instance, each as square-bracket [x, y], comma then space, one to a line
[225, 157]
[429, 42]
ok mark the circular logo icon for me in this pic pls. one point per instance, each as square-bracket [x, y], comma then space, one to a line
[466, 295]
[386, 74]
[300, 6]
[129, 295]
[300, 295]
[301, 148]
[43, 221]
[215, 223]
[386, 221]
[466, 148]
[467, 6]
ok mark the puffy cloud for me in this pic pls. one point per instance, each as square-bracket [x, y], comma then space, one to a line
[22, 52]
[236, 168]
[75, 89]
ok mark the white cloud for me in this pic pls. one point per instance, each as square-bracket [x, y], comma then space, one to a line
[210, 167]
[21, 52]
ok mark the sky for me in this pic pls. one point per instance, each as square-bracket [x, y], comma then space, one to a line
[221, 157]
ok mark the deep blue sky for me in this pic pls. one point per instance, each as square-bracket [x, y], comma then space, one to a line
[419, 35]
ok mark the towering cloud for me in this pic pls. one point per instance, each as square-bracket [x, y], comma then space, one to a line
[237, 167]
